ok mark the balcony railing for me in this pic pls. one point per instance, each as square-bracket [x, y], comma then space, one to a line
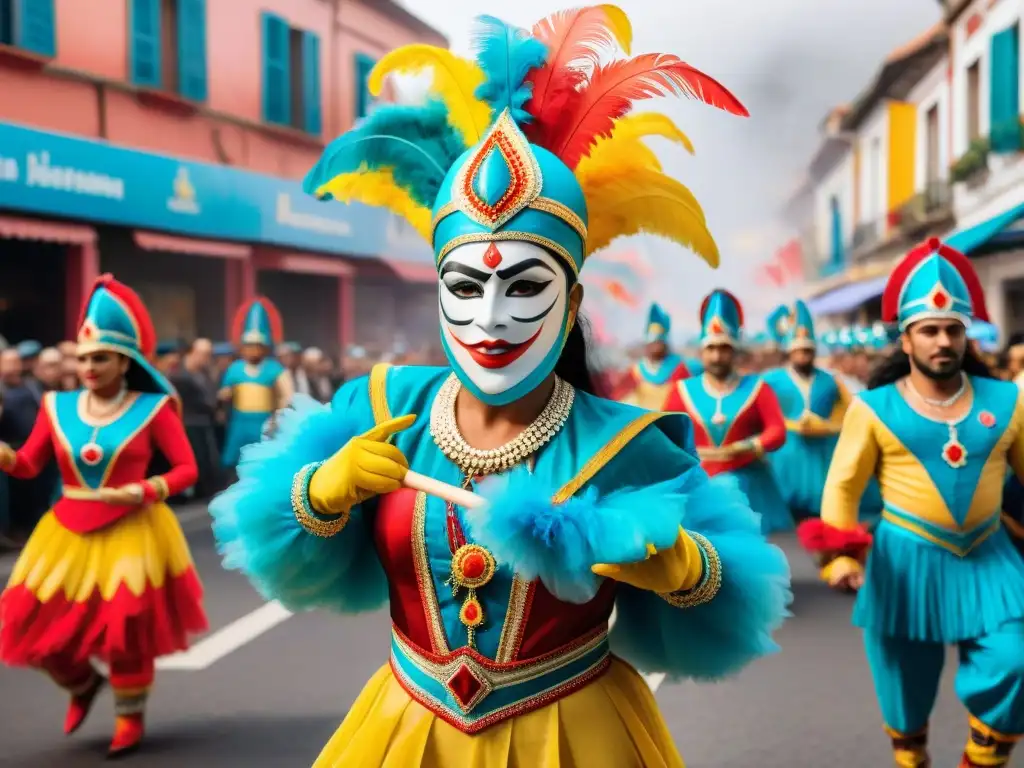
[925, 210]
[865, 236]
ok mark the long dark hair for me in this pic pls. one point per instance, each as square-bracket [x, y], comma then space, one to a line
[897, 365]
[572, 364]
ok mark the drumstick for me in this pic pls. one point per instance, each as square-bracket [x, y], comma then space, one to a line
[452, 493]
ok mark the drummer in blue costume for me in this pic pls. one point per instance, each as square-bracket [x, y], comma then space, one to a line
[256, 385]
[500, 653]
[941, 570]
[813, 402]
[650, 380]
[737, 419]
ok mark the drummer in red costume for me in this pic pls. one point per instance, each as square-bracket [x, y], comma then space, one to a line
[107, 572]
[737, 418]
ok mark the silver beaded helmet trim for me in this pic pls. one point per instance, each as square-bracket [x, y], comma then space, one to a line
[453, 445]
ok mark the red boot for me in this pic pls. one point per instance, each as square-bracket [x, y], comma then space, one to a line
[128, 731]
[81, 703]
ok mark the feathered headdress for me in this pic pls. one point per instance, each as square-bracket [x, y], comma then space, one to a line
[257, 321]
[532, 141]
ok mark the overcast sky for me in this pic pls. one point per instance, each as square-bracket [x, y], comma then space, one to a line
[789, 61]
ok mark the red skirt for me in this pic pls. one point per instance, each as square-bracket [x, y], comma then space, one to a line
[128, 590]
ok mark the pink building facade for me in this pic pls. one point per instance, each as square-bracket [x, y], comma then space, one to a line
[164, 141]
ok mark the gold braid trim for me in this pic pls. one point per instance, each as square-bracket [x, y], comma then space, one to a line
[708, 586]
[304, 511]
[160, 487]
[544, 204]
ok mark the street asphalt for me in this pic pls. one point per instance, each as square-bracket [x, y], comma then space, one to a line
[273, 701]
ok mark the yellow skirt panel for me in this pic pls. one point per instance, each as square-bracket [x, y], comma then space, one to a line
[141, 550]
[613, 722]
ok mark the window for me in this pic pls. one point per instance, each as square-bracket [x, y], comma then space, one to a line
[364, 101]
[1004, 101]
[291, 76]
[931, 148]
[6, 22]
[974, 101]
[168, 46]
[29, 25]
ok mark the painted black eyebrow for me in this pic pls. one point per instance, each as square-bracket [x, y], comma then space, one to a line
[522, 266]
[462, 269]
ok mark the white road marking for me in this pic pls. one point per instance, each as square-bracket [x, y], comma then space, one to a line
[227, 640]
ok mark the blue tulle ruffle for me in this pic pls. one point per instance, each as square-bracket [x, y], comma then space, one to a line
[257, 533]
[559, 544]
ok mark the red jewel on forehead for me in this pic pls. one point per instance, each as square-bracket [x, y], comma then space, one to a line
[492, 257]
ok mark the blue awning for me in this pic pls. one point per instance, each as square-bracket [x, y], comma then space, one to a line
[975, 237]
[848, 297]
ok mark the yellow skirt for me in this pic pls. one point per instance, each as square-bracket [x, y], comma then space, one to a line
[127, 590]
[613, 722]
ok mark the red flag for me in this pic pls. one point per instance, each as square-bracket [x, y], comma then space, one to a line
[770, 274]
[790, 258]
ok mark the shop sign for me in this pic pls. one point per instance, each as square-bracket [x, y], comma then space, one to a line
[57, 175]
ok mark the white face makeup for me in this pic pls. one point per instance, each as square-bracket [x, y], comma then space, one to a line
[502, 310]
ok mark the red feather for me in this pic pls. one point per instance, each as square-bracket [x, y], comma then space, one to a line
[707, 300]
[616, 86]
[898, 277]
[131, 300]
[576, 40]
[276, 325]
[819, 537]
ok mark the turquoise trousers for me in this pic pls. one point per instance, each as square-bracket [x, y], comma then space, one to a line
[989, 680]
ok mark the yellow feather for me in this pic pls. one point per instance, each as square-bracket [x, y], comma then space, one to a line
[378, 189]
[620, 26]
[641, 124]
[645, 201]
[455, 82]
[624, 145]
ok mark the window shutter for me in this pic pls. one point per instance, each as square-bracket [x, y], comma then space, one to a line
[192, 49]
[311, 97]
[1004, 101]
[364, 65]
[277, 107]
[37, 27]
[144, 21]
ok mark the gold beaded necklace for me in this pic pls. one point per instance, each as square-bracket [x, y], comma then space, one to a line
[473, 566]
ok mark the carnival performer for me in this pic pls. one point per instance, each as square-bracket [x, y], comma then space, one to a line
[500, 653]
[736, 418]
[813, 402]
[256, 385]
[648, 383]
[778, 324]
[939, 434]
[107, 572]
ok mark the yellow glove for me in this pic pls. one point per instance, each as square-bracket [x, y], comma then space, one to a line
[670, 570]
[366, 466]
[844, 573]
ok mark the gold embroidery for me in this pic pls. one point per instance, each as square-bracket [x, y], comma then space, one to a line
[379, 393]
[515, 617]
[544, 204]
[605, 454]
[499, 677]
[992, 526]
[303, 510]
[421, 565]
[709, 585]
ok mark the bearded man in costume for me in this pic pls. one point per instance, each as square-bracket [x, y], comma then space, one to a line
[939, 434]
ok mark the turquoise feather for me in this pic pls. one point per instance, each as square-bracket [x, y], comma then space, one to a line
[506, 55]
[416, 143]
